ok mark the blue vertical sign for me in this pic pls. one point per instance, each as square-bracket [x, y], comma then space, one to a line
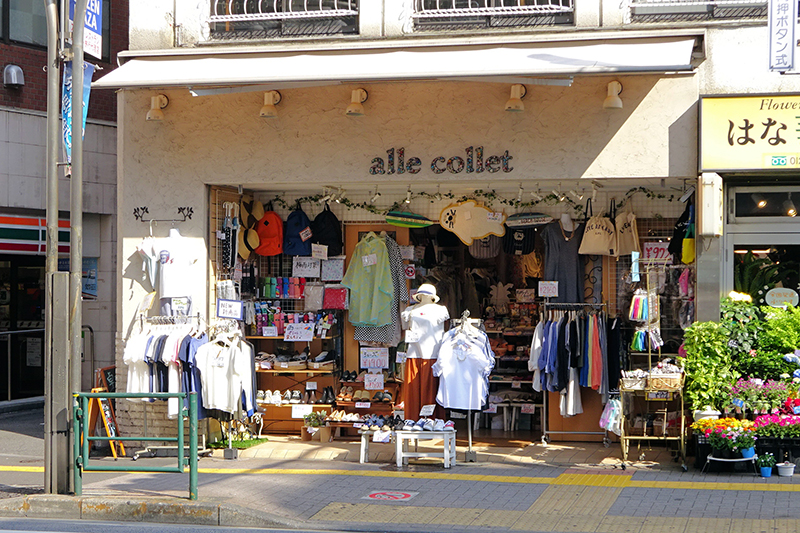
[93, 27]
[66, 103]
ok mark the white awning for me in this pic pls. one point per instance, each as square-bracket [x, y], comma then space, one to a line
[294, 69]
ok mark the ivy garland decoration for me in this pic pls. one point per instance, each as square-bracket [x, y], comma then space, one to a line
[489, 196]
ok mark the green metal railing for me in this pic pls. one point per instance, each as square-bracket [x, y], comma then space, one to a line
[80, 410]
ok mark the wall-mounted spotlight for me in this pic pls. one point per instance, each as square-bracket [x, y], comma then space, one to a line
[375, 196]
[357, 98]
[759, 200]
[340, 195]
[13, 77]
[271, 99]
[789, 207]
[519, 193]
[536, 196]
[576, 195]
[514, 104]
[157, 103]
[326, 195]
[561, 196]
[408, 195]
[613, 101]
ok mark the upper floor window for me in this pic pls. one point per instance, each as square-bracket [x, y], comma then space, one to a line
[690, 10]
[25, 22]
[450, 14]
[253, 19]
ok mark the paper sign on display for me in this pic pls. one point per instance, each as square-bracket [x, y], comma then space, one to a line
[738, 402]
[494, 217]
[369, 260]
[363, 405]
[491, 409]
[526, 295]
[269, 331]
[300, 410]
[332, 269]
[373, 382]
[305, 234]
[548, 289]
[407, 252]
[230, 309]
[656, 250]
[400, 358]
[427, 410]
[311, 385]
[319, 251]
[299, 332]
[516, 384]
[374, 357]
[410, 271]
[455, 415]
[796, 409]
[527, 408]
[305, 267]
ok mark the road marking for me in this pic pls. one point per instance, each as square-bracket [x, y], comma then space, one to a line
[389, 496]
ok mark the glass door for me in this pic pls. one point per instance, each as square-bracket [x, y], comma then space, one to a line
[757, 263]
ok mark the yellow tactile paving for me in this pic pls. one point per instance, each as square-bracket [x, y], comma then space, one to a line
[343, 512]
[708, 525]
[575, 500]
[538, 522]
[496, 518]
[456, 517]
[420, 515]
[579, 524]
[786, 525]
[664, 524]
[746, 525]
[621, 524]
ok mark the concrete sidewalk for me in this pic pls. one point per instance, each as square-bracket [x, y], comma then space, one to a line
[561, 487]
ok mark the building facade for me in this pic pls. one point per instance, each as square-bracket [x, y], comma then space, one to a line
[434, 78]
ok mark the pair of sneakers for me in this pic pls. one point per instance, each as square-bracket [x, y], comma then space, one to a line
[429, 424]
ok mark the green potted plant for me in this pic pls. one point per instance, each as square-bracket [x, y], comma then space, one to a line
[765, 462]
[708, 366]
[316, 420]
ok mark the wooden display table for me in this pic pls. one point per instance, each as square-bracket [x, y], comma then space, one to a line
[402, 437]
[366, 437]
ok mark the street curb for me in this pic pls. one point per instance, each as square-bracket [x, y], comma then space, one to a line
[127, 509]
[24, 404]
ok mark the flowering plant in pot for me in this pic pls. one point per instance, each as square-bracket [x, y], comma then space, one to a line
[766, 460]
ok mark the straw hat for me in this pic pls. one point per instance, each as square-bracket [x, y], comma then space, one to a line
[248, 241]
[250, 212]
[427, 289]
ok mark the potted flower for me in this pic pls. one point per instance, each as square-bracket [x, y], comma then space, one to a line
[765, 462]
[314, 422]
[721, 440]
[745, 442]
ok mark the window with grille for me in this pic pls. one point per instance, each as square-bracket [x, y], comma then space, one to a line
[430, 14]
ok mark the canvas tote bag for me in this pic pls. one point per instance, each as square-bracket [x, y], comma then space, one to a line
[627, 233]
[600, 235]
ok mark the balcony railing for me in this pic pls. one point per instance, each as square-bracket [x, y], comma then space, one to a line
[695, 10]
[432, 14]
[252, 19]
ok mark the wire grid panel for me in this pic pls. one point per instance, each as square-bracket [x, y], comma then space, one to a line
[219, 197]
[280, 266]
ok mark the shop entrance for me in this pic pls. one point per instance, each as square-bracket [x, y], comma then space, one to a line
[22, 297]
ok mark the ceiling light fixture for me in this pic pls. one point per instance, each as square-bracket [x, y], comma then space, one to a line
[357, 98]
[613, 101]
[326, 195]
[514, 103]
[519, 194]
[271, 99]
[561, 196]
[375, 196]
[157, 103]
[536, 196]
[789, 207]
[408, 195]
[340, 195]
[759, 200]
[576, 195]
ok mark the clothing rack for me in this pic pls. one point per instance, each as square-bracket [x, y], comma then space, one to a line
[462, 323]
[170, 319]
[548, 306]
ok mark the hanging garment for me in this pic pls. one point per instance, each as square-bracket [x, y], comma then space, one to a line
[424, 325]
[138, 369]
[146, 250]
[191, 374]
[570, 398]
[596, 356]
[614, 354]
[463, 367]
[562, 262]
[369, 279]
[223, 371]
[420, 386]
[390, 333]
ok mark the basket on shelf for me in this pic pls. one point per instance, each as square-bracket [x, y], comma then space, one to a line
[633, 383]
[666, 381]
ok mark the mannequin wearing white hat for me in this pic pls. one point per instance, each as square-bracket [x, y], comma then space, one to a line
[424, 328]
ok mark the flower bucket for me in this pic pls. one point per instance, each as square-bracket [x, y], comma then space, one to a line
[766, 471]
[721, 453]
[747, 453]
[785, 469]
[304, 433]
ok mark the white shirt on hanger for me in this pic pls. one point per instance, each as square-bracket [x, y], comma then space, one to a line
[424, 325]
[463, 368]
[176, 255]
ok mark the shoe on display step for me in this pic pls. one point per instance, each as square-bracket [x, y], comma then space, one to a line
[295, 397]
[449, 425]
[287, 397]
[377, 397]
[428, 425]
[438, 425]
[419, 425]
[387, 397]
[408, 425]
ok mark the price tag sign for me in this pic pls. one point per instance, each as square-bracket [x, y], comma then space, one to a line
[300, 410]
[491, 409]
[516, 385]
[374, 357]
[494, 217]
[373, 382]
[299, 333]
[305, 234]
[738, 402]
[283, 365]
[659, 395]
[656, 250]
[796, 409]
[319, 251]
[527, 408]
[407, 252]
[358, 424]
[269, 331]
[427, 410]
[369, 260]
[311, 385]
[548, 289]
[400, 358]
[363, 405]
[305, 267]
[230, 309]
[526, 295]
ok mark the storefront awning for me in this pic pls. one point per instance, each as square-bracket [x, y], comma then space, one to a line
[489, 63]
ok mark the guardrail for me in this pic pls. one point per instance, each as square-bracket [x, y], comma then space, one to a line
[80, 410]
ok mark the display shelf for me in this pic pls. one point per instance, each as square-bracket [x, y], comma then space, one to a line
[289, 405]
[510, 381]
[281, 338]
[290, 371]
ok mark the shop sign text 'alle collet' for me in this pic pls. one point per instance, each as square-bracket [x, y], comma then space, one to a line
[472, 162]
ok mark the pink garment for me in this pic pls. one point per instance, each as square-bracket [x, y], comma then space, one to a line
[596, 354]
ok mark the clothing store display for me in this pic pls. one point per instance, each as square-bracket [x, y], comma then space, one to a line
[369, 279]
[463, 367]
[627, 233]
[562, 262]
[176, 255]
[297, 233]
[424, 325]
[226, 365]
[600, 235]
[270, 234]
[419, 385]
[327, 230]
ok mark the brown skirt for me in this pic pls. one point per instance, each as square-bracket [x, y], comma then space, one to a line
[420, 388]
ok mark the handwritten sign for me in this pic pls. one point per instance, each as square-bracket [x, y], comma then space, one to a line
[407, 252]
[659, 395]
[362, 405]
[526, 295]
[299, 333]
[269, 331]
[300, 410]
[527, 408]
[373, 382]
[656, 250]
[311, 385]
[230, 309]
[427, 410]
[374, 357]
[319, 251]
[781, 297]
[305, 267]
[491, 409]
[548, 289]
[106, 378]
